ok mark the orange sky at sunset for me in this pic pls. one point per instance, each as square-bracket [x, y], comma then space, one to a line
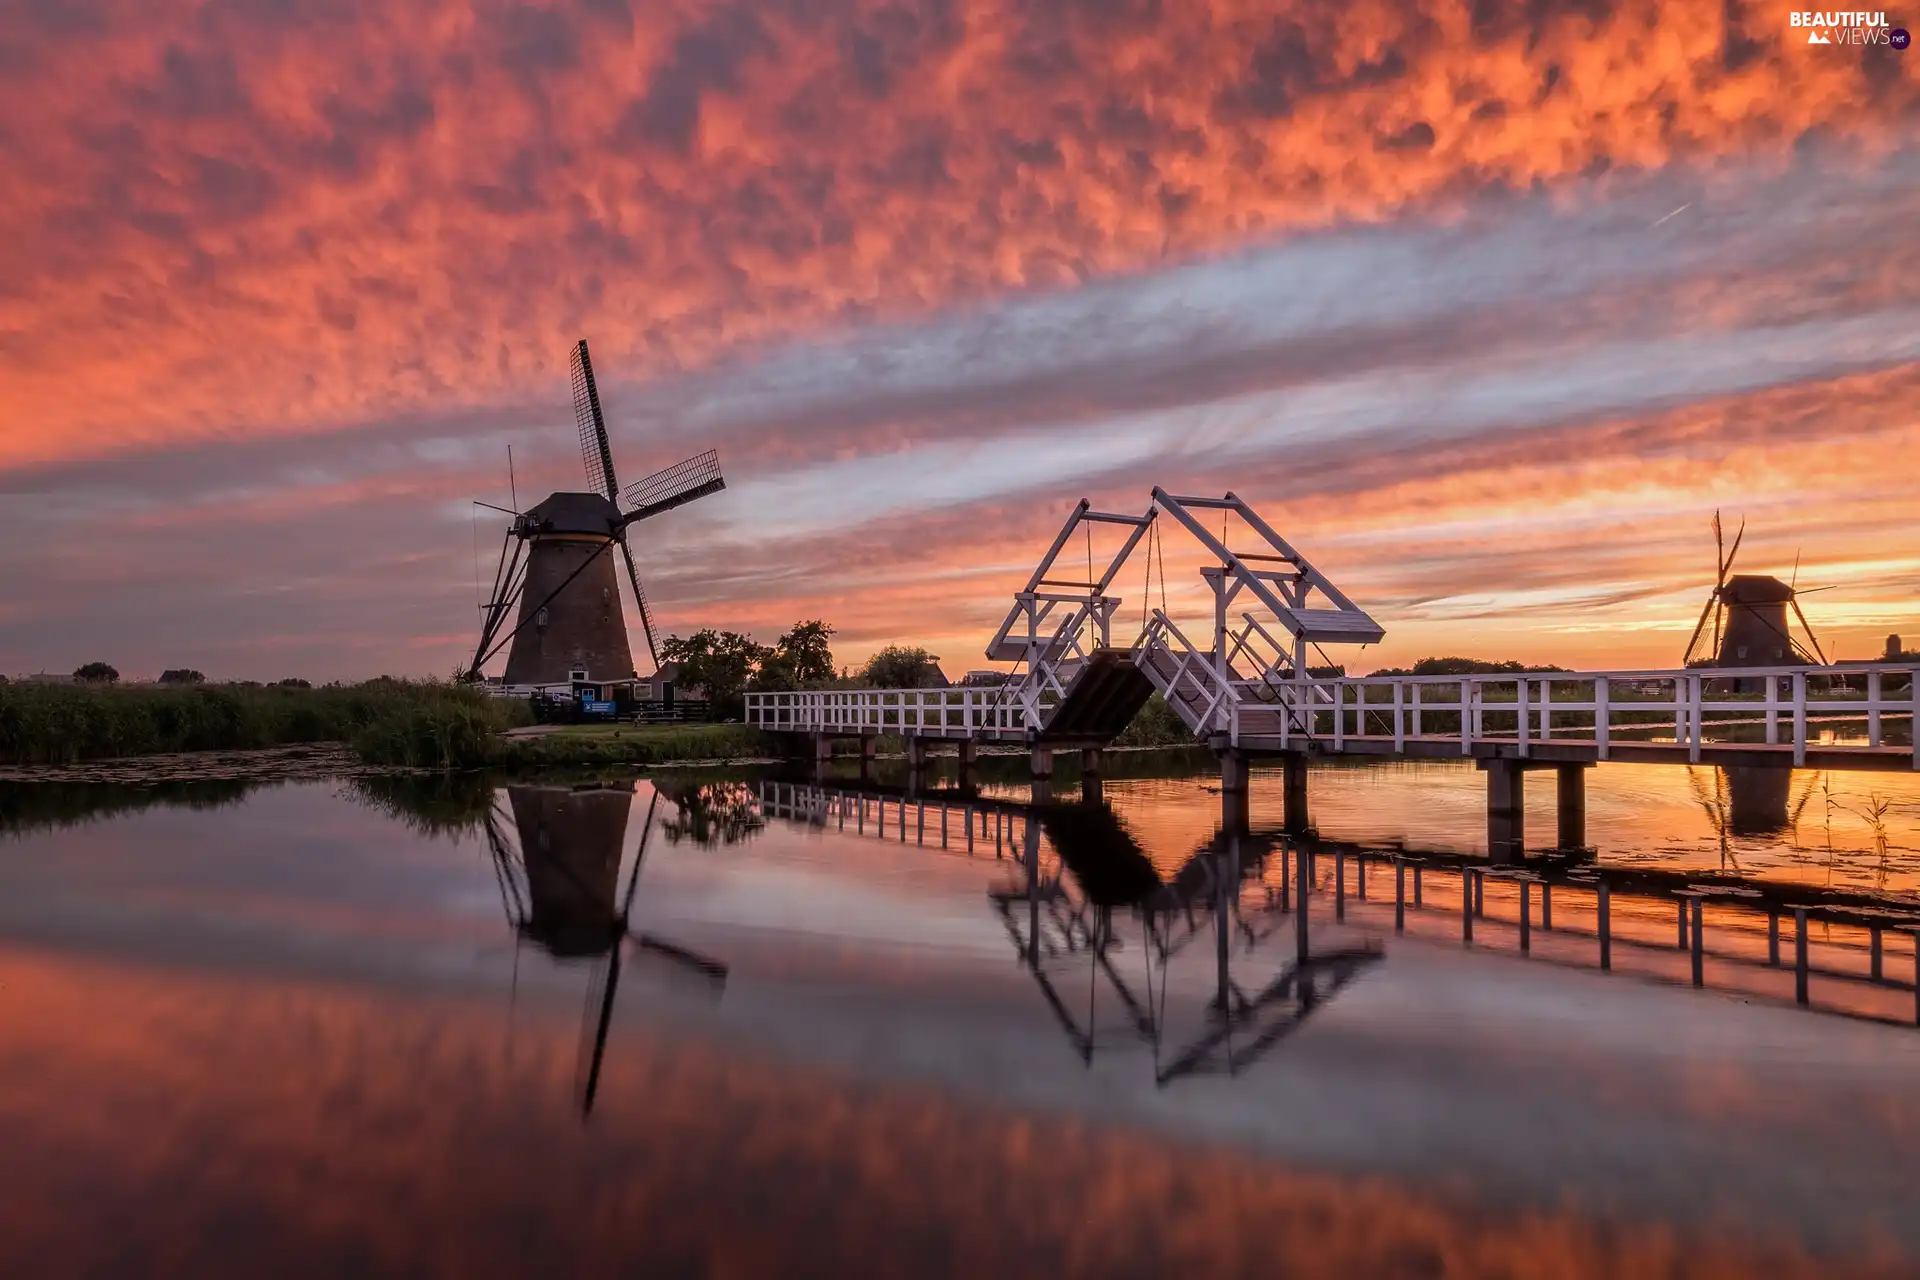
[279, 284]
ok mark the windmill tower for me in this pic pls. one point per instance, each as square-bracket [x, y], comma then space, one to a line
[1749, 614]
[556, 570]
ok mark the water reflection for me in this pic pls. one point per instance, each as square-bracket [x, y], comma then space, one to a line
[29, 807]
[1104, 897]
[878, 1085]
[560, 889]
[1084, 890]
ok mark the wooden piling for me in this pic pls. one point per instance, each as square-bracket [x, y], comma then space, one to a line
[1605, 927]
[1800, 955]
[1399, 896]
[1526, 916]
[1699, 948]
[1466, 905]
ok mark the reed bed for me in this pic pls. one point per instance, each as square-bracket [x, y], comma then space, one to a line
[419, 723]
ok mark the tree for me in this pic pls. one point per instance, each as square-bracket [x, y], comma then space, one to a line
[181, 675]
[96, 673]
[799, 659]
[806, 652]
[295, 682]
[900, 667]
[719, 662]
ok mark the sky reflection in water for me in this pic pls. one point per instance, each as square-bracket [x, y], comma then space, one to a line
[296, 1032]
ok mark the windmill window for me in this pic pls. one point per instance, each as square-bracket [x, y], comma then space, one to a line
[1741, 652]
[578, 674]
[540, 618]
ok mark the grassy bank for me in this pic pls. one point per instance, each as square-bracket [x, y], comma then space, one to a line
[417, 723]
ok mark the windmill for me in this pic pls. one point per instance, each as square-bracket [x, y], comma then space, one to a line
[556, 562]
[1749, 614]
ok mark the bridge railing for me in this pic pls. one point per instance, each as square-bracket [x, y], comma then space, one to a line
[968, 712]
[1863, 706]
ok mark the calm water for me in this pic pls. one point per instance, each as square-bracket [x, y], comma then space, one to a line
[385, 1028]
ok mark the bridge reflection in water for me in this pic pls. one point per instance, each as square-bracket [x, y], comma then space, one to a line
[1088, 912]
[1084, 897]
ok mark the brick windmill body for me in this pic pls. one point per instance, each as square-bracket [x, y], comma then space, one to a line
[556, 575]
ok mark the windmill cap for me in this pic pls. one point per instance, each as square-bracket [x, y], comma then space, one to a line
[574, 513]
[1756, 588]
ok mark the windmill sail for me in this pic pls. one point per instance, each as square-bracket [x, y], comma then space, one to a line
[640, 600]
[675, 486]
[594, 449]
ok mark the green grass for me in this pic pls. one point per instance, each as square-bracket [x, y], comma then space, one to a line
[399, 722]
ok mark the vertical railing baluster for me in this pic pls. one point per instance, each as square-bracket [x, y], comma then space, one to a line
[1799, 717]
[1602, 728]
[1873, 708]
[1521, 713]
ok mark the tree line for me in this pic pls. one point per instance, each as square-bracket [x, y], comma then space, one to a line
[728, 665]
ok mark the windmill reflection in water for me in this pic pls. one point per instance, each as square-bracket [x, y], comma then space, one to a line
[560, 887]
[1080, 907]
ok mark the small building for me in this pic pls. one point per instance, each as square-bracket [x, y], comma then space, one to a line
[663, 685]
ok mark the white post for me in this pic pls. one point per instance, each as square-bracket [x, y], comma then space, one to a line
[1772, 712]
[1399, 729]
[1799, 717]
[1546, 708]
[1520, 708]
[1466, 712]
[1696, 694]
[1600, 713]
[1873, 708]
[1913, 725]
[1418, 731]
[1339, 715]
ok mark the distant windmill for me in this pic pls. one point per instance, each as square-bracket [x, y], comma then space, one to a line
[556, 562]
[1749, 613]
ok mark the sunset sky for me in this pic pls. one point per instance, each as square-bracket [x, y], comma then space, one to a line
[1487, 306]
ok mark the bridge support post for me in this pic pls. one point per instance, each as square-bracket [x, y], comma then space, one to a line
[1091, 760]
[1572, 809]
[1506, 810]
[916, 755]
[969, 759]
[869, 744]
[1040, 769]
[1294, 815]
[1235, 793]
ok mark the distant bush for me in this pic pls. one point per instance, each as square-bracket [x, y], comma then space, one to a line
[96, 673]
[1465, 667]
[181, 675]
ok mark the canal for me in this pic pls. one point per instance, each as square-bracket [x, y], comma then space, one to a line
[736, 1022]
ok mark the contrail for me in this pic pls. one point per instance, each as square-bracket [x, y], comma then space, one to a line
[1682, 209]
